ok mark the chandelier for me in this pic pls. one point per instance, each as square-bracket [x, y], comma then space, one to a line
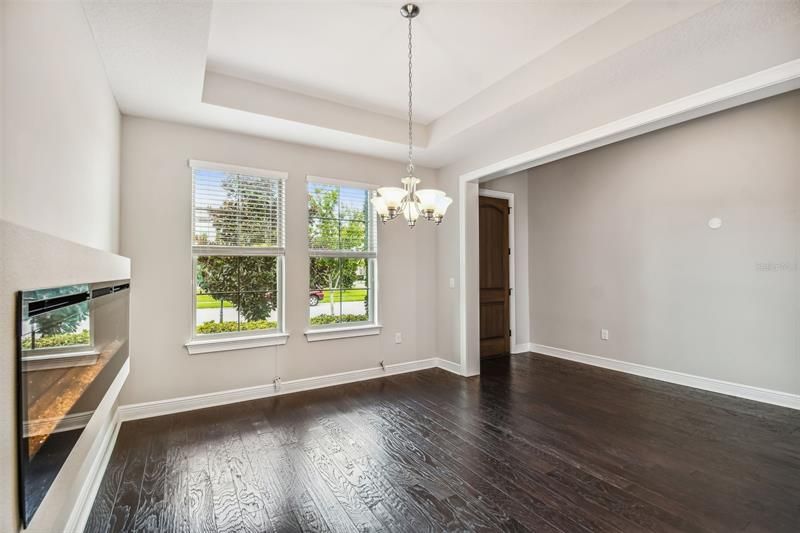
[430, 204]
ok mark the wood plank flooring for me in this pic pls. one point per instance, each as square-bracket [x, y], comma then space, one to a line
[533, 444]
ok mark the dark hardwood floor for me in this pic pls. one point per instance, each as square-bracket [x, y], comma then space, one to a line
[534, 444]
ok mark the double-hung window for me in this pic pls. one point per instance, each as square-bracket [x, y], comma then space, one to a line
[342, 241]
[238, 247]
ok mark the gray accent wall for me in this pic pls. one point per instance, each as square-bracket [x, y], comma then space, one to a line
[619, 239]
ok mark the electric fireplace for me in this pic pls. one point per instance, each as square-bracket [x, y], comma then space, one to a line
[72, 343]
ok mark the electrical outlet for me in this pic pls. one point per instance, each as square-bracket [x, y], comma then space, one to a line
[398, 338]
[604, 334]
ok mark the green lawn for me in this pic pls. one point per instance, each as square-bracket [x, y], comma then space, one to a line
[347, 295]
[205, 301]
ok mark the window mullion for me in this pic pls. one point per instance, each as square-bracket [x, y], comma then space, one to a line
[237, 250]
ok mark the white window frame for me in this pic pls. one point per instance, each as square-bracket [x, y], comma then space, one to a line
[351, 329]
[63, 356]
[218, 342]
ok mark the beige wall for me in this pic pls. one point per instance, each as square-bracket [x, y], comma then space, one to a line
[156, 231]
[59, 174]
[518, 185]
[60, 171]
[619, 240]
[3, 46]
[31, 259]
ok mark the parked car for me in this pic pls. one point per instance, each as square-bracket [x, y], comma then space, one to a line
[315, 296]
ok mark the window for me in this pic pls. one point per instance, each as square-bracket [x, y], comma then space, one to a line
[343, 254]
[238, 250]
[62, 326]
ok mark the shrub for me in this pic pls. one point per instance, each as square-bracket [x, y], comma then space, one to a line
[322, 320]
[59, 339]
[232, 325]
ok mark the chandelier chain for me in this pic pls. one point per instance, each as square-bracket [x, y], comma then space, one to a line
[410, 106]
[408, 201]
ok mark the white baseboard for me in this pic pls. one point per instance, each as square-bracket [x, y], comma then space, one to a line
[521, 348]
[202, 401]
[83, 507]
[749, 392]
[450, 366]
[99, 455]
[44, 426]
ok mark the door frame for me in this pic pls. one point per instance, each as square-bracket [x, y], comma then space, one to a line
[512, 307]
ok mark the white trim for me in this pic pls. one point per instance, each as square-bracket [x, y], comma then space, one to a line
[763, 84]
[344, 254]
[512, 281]
[462, 282]
[83, 507]
[244, 251]
[755, 86]
[242, 342]
[196, 164]
[340, 182]
[279, 252]
[281, 311]
[58, 424]
[450, 366]
[344, 332]
[59, 360]
[201, 401]
[749, 392]
[373, 286]
[521, 348]
[99, 454]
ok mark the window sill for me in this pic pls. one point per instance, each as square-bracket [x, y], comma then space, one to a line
[326, 334]
[55, 360]
[198, 346]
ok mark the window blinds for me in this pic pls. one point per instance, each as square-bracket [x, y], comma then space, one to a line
[233, 209]
[341, 221]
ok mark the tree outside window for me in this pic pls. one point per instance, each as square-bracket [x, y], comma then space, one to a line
[342, 254]
[238, 251]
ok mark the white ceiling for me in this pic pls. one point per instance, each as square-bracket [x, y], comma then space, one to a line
[355, 53]
[333, 74]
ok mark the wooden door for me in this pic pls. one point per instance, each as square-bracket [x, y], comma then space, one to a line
[494, 282]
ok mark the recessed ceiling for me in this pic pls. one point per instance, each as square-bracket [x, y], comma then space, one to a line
[333, 74]
[355, 53]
